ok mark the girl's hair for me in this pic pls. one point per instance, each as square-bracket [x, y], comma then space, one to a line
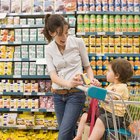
[52, 23]
[122, 68]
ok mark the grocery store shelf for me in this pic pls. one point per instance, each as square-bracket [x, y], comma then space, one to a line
[107, 13]
[115, 54]
[38, 14]
[24, 77]
[18, 60]
[31, 127]
[26, 93]
[108, 33]
[24, 43]
[25, 110]
[44, 77]
[20, 26]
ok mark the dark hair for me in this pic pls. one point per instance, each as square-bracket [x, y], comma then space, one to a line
[52, 23]
[122, 68]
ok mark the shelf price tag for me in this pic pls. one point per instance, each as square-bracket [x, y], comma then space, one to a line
[16, 76]
[41, 93]
[35, 110]
[101, 33]
[13, 109]
[81, 33]
[118, 33]
[50, 110]
[27, 93]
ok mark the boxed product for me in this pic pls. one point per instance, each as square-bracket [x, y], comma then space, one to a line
[30, 21]
[40, 36]
[70, 5]
[38, 5]
[48, 5]
[27, 6]
[5, 6]
[34, 86]
[39, 119]
[15, 6]
[41, 85]
[60, 6]
[27, 86]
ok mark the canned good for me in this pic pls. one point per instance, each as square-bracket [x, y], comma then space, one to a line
[92, 40]
[136, 27]
[117, 49]
[92, 19]
[85, 5]
[105, 40]
[130, 28]
[130, 19]
[118, 28]
[98, 5]
[136, 6]
[99, 19]
[86, 27]
[92, 5]
[136, 19]
[111, 19]
[104, 5]
[92, 49]
[99, 27]
[123, 5]
[86, 19]
[130, 5]
[136, 41]
[117, 5]
[92, 28]
[130, 41]
[111, 49]
[80, 19]
[124, 40]
[124, 19]
[86, 40]
[123, 49]
[111, 40]
[98, 49]
[136, 49]
[111, 27]
[105, 49]
[129, 49]
[79, 5]
[111, 5]
[117, 19]
[80, 28]
[98, 41]
[105, 19]
[105, 27]
[124, 27]
[117, 40]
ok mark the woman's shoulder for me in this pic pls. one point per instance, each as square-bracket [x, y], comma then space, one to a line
[73, 38]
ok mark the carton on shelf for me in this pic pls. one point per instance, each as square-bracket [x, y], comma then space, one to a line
[15, 6]
[38, 5]
[48, 5]
[5, 6]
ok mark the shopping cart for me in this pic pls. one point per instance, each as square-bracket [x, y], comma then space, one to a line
[131, 122]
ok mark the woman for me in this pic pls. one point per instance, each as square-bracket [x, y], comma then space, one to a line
[66, 56]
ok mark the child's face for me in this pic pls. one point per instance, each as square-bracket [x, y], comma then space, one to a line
[110, 76]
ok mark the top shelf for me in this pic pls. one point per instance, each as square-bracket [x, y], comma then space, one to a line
[107, 13]
[42, 14]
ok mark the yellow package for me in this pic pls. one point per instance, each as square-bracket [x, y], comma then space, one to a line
[92, 40]
[98, 49]
[111, 49]
[39, 119]
[136, 49]
[117, 49]
[136, 41]
[105, 40]
[98, 41]
[92, 49]
[105, 49]
[129, 49]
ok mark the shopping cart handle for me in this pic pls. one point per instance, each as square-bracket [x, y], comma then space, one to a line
[97, 92]
[94, 92]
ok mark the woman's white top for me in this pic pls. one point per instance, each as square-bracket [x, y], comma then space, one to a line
[70, 63]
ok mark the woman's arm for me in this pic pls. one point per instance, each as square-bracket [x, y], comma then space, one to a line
[65, 83]
[90, 75]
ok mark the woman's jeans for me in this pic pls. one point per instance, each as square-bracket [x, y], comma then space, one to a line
[68, 108]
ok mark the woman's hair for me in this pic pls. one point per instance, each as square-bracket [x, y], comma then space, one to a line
[52, 23]
[122, 68]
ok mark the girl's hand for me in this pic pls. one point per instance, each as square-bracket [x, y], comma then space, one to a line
[75, 81]
[95, 82]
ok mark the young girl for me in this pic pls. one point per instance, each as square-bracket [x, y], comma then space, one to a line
[119, 72]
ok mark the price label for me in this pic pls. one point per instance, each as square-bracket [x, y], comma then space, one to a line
[13, 109]
[81, 33]
[27, 93]
[41, 93]
[16, 76]
[118, 33]
[101, 33]
[35, 110]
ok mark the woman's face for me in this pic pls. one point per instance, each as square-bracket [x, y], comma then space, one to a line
[110, 76]
[60, 38]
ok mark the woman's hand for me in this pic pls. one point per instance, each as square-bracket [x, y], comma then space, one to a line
[75, 81]
[95, 82]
